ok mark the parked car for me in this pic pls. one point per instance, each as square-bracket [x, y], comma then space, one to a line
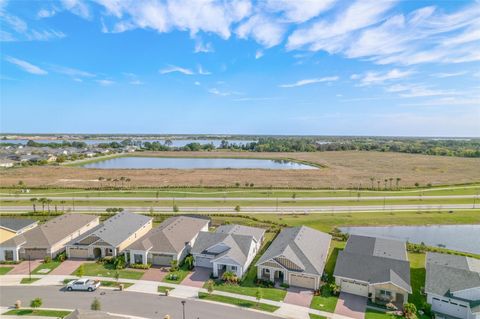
[83, 284]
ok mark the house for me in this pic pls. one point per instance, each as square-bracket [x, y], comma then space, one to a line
[48, 239]
[376, 268]
[296, 257]
[6, 163]
[171, 240]
[11, 227]
[452, 286]
[231, 248]
[111, 237]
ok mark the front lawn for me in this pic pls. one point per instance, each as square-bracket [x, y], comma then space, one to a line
[314, 316]
[37, 312]
[327, 304]
[176, 277]
[27, 280]
[238, 302]
[375, 314]
[115, 284]
[163, 289]
[4, 270]
[108, 270]
[46, 268]
[417, 279]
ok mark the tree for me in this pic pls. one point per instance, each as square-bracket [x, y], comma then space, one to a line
[258, 295]
[173, 265]
[80, 270]
[372, 179]
[175, 208]
[390, 179]
[294, 196]
[95, 304]
[116, 275]
[410, 311]
[385, 181]
[189, 261]
[378, 185]
[34, 200]
[210, 286]
[237, 208]
[43, 201]
[36, 303]
[63, 205]
[237, 184]
[398, 179]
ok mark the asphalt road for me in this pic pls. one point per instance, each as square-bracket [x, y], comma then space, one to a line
[262, 209]
[128, 303]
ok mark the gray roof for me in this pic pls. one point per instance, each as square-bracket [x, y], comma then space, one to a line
[238, 244]
[16, 224]
[447, 274]
[374, 260]
[171, 235]
[114, 230]
[257, 233]
[304, 246]
[91, 314]
[51, 232]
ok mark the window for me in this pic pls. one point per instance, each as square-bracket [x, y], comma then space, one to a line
[233, 268]
[266, 270]
[385, 293]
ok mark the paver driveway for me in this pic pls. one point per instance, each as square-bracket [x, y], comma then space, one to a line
[22, 268]
[197, 278]
[154, 274]
[67, 267]
[352, 306]
[299, 297]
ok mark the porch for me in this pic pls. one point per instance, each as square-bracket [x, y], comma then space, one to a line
[386, 298]
[276, 276]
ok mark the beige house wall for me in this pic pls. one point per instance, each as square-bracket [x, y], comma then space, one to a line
[139, 233]
[6, 235]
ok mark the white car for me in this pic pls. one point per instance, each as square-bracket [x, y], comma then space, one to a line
[83, 284]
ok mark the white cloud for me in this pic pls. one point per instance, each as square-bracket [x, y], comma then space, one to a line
[299, 11]
[259, 54]
[448, 75]
[220, 92]
[26, 66]
[416, 90]
[310, 81]
[133, 79]
[202, 71]
[372, 77]
[45, 13]
[196, 83]
[174, 68]
[263, 29]
[74, 73]
[105, 82]
[201, 47]
[77, 7]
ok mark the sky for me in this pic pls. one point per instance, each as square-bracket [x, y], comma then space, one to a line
[329, 67]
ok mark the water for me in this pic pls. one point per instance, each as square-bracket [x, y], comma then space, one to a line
[464, 238]
[135, 162]
[175, 143]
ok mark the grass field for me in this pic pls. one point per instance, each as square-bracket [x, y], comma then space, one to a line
[339, 170]
[28, 280]
[5, 270]
[107, 270]
[37, 312]
[237, 302]
[181, 273]
[46, 266]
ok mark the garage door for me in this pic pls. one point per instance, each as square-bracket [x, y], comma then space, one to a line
[302, 281]
[35, 253]
[355, 288]
[203, 262]
[78, 253]
[161, 260]
[449, 308]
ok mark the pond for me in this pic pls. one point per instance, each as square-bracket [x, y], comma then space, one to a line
[175, 143]
[464, 238]
[137, 162]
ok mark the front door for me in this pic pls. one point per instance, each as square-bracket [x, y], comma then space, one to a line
[8, 254]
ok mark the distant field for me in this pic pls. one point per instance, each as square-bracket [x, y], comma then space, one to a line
[339, 170]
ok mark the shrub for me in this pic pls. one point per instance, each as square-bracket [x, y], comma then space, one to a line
[173, 265]
[140, 266]
[284, 285]
[237, 208]
[119, 262]
[47, 259]
[36, 303]
[410, 311]
[189, 261]
[326, 291]
[61, 257]
[230, 277]
[95, 304]
[210, 286]
[265, 283]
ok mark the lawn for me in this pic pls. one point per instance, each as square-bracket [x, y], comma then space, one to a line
[46, 266]
[28, 280]
[417, 279]
[375, 314]
[237, 302]
[107, 270]
[37, 312]
[324, 303]
[181, 273]
[314, 316]
[163, 289]
[115, 284]
[5, 270]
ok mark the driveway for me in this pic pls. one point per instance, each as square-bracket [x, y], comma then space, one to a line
[352, 306]
[198, 277]
[67, 267]
[299, 297]
[154, 274]
[22, 268]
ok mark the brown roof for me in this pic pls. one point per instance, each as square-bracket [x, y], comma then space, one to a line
[53, 231]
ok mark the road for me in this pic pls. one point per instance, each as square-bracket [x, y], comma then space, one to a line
[262, 210]
[129, 303]
[351, 198]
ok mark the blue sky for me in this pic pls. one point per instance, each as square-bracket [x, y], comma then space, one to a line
[329, 67]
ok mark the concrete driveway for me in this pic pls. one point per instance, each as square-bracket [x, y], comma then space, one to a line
[299, 297]
[198, 277]
[67, 267]
[352, 306]
[22, 268]
[154, 274]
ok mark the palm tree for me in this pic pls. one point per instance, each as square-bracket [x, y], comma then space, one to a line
[127, 180]
[48, 201]
[398, 182]
[189, 260]
[43, 201]
[34, 200]
[63, 205]
[371, 180]
[390, 179]
[101, 179]
[385, 183]
[122, 179]
[378, 185]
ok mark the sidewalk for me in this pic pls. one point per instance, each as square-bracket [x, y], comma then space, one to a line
[285, 310]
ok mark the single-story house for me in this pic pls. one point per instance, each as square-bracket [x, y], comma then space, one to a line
[48, 239]
[171, 240]
[11, 227]
[111, 237]
[377, 268]
[296, 257]
[228, 249]
[452, 286]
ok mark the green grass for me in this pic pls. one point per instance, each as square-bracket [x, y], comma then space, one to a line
[37, 312]
[27, 280]
[5, 270]
[417, 279]
[163, 289]
[50, 265]
[324, 303]
[314, 316]
[115, 284]
[375, 314]
[238, 302]
[181, 273]
[107, 270]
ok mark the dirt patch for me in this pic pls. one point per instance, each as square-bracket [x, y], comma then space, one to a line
[340, 170]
